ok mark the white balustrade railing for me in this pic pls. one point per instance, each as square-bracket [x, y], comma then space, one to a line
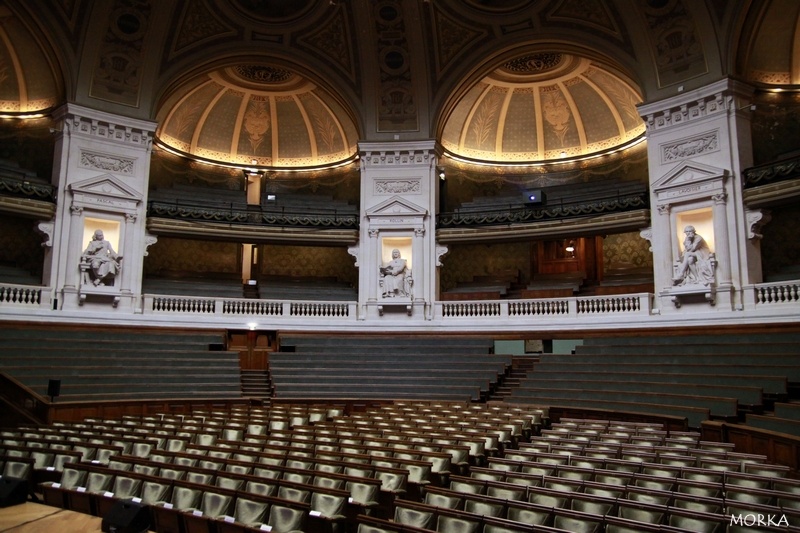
[777, 293]
[21, 295]
[539, 307]
[766, 298]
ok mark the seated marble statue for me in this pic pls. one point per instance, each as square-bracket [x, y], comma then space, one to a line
[100, 264]
[395, 277]
[696, 265]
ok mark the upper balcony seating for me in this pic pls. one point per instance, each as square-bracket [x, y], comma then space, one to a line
[396, 367]
[103, 364]
[17, 276]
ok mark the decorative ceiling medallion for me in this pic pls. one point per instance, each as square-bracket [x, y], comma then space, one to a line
[274, 9]
[535, 63]
[263, 74]
[499, 6]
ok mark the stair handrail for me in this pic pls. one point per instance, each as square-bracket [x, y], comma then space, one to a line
[29, 403]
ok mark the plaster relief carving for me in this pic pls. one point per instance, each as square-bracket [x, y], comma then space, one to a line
[46, 229]
[383, 187]
[687, 148]
[647, 234]
[149, 240]
[756, 219]
[106, 163]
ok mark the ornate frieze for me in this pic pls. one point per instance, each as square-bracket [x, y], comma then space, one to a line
[74, 123]
[691, 147]
[391, 187]
[726, 96]
[394, 158]
[107, 163]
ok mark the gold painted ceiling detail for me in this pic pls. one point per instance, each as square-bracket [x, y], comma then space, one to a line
[258, 115]
[27, 81]
[544, 106]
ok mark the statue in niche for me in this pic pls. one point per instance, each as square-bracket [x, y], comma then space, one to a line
[696, 266]
[100, 264]
[396, 277]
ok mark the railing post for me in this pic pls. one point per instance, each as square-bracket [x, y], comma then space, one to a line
[572, 307]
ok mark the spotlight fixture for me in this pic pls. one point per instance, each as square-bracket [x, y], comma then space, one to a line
[570, 248]
[441, 173]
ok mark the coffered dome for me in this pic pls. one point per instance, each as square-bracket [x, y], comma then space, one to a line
[544, 106]
[258, 115]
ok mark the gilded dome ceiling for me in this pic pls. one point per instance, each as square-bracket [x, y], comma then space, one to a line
[543, 106]
[27, 80]
[773, 55]
[258, 115]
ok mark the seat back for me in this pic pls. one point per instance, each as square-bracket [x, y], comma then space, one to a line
[72, 478]
[154, 491]
[262, 489]
[185, 497]
[215, 505]
[328, 505]
[126, 487]
[97, 482]
[453, 524]
[413, 517]
[250, 513]
[294, 494]
[285, 519]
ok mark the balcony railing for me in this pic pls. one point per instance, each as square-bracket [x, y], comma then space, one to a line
[764, 299]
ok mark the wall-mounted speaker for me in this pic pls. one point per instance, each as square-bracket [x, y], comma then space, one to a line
[54, 388]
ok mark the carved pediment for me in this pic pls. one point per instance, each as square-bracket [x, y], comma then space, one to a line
[105, 185]
[690, 180]
[105, 192]
[396, 207]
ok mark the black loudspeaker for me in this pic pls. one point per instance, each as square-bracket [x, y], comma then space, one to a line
[216, 347]
[54, 388]
[126, 516]
[13, 491]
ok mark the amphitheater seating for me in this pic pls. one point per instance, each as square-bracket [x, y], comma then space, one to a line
[305, 288]
[17, 276]
[625, 279]
[211, 285]
[572, 475]
[105, 364]
[556, 285]
[189, 195]
[381, 367]
[501, 284]
[306, 203]
[696, 376]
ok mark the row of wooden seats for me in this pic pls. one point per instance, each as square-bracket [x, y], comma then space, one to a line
[176, 505]
[90, 447]
[359, 423]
